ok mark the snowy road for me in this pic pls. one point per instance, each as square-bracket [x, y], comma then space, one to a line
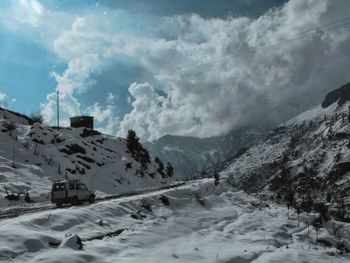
[18, 211]
[202, 223]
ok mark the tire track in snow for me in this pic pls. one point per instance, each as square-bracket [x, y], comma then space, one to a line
[16, 212]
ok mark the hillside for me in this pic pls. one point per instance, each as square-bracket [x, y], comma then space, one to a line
[306, 161]
[32, 156]
[191, 155]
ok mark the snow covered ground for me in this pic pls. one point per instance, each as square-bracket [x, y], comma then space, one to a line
[33, 156]
[202, 223]
[316, 140]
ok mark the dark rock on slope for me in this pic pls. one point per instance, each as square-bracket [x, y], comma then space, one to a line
[341, 95]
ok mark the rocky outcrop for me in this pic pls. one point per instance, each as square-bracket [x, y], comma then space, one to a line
[341, 95]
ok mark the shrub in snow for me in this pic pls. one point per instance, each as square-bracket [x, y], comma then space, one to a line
[39, 141]
[89, 132]
[138, 215]
[56, 139]
[27, 198]
[128, 165]
[164, 199]
[9, 126]
[216, 178]
[12, 196]
[36, 117]
[86, 159]
[73, 148]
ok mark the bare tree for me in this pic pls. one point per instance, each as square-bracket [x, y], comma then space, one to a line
[10, 126]
[36, 117]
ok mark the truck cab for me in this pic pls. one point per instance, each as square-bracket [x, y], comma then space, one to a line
[70, 192]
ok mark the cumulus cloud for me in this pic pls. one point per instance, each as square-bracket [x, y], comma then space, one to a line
[77, 76]
[248, 83]
[69, 107]
[105, 116]
[74, 80]
[147, 106]
[210, 75]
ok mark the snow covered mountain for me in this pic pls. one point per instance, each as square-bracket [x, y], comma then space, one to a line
[306, 161]
[32, 156]
[190, 155]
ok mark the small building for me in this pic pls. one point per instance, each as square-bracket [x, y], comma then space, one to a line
[82, 121]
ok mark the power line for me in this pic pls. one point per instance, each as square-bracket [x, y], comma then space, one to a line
[58, 109]
[248, 50]
[332, 25]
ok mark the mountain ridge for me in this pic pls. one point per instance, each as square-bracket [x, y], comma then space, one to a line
[190, 155]
[304, 162]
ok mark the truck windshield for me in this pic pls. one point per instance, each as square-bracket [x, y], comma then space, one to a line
[59, 187]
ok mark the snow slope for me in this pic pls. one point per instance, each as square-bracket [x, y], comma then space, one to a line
[202, 223]
[32, 156]
[315, 138]
[305, 162]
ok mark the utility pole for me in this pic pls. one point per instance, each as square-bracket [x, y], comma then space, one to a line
[58, 109]
[13, 156]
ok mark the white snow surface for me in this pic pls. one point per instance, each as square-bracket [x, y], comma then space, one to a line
[32, 157]
[203, 223]
[323, 137]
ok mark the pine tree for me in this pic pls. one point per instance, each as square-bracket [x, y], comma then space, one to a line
[169, 170]
[132, 141]
[216, 178]
[160, 169]
[139, 153]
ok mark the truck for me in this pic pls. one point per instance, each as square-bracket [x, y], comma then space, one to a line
[70, 192]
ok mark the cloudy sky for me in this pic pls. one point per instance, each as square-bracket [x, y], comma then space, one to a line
[185, 67]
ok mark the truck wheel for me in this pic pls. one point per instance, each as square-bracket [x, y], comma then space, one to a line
[75, 200]
[91, 199]
[58, 204]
